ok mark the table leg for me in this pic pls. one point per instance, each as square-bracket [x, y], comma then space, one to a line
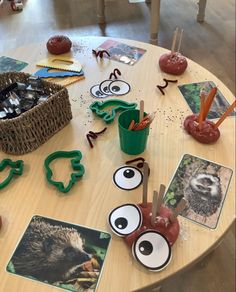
[101, 11]
[201, 10]
[155, 19]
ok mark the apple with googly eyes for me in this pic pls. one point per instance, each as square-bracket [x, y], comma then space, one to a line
[149, 247]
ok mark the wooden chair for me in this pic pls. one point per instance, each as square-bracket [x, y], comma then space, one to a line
[155, 16]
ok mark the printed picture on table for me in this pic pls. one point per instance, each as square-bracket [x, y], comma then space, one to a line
[9, 64]
[204, 185]
[61, 254]
[122, 52]
[191, 93]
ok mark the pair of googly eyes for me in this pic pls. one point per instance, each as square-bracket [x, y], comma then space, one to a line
[110, 88]
[127, 178]
[151, 249]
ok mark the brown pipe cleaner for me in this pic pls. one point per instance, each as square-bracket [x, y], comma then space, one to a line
[115, 71]
[166, 84]
[139, 164]
[94, 135]
[100, 53]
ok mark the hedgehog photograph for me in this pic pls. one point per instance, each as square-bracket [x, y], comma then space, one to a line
[54, 253]
[204, 185]
[205, 194]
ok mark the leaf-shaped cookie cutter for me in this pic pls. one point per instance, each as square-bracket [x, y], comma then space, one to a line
[75, 156]
[16, 169]
[101, 109]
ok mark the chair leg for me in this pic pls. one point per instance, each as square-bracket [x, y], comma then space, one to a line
[155, 19]
[201, 10]
[100, 12]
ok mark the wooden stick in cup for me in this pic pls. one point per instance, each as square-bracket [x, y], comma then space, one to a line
[174, 41]
[131, 125]
[180, 207]
[154, 208]
[160, 198]
[180, 40]
[145, 182]
[141, 110]
[226, 113]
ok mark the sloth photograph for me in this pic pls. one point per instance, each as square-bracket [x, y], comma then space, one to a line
[204, 185]
[60, 254]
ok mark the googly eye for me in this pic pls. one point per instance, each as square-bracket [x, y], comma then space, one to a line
[119, 87]
[125, 219]
[104, 87]
[127, 177]
[152, 250]
[95, 92]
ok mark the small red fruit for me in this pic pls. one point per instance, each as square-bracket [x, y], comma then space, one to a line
[59, 44]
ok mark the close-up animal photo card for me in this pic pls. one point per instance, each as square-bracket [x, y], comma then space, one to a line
[192, 91]
[122, 52]
[204, 184]
[61, 254]
[10, 64]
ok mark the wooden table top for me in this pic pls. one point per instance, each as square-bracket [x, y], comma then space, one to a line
[91, 199]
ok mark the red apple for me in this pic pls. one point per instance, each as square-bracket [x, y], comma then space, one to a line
[206, 133]
[59, 44]
[163, 224]
[174, 64]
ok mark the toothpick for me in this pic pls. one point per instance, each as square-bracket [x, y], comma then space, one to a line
[226, 113]
[180, 207]
[174, 41]
[180, 40]
[145, 182]
[141, 110]
[154, 208]
[160, 198]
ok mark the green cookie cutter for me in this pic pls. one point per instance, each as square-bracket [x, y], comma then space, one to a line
[107, 109]
[17, 168]
[75, 156]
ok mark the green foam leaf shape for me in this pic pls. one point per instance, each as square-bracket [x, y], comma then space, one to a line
[16, 169]
[75, 156]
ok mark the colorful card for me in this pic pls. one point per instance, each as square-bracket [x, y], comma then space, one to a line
[122, 52]
[191, 93]
[204, 185]
[60, 254]
[8, 64]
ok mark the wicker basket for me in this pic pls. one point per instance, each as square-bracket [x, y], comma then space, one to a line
[31, 129]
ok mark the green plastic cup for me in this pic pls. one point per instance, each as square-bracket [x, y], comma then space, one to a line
[131, 142]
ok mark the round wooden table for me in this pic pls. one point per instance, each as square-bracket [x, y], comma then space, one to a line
[90, 200]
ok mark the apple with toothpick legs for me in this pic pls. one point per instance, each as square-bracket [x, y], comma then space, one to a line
[174, 63]
[199, 127]
[150, 229]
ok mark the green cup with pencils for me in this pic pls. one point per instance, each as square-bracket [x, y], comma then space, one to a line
[134, 128]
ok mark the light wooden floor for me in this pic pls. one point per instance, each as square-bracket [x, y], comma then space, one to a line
[211, 44]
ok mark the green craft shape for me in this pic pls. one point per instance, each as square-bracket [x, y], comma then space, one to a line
[75, 156]
[107, 109]
[16, 169]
